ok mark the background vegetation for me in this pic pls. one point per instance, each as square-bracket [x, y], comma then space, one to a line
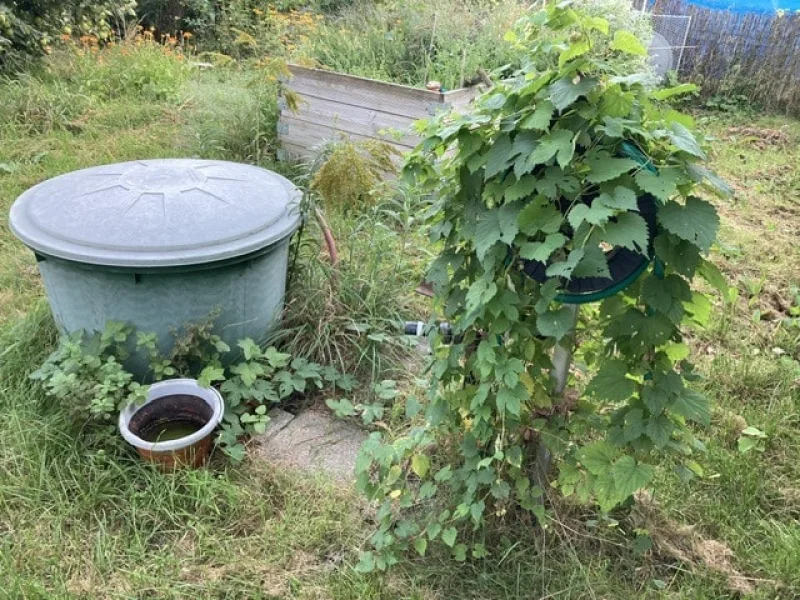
[78, 523]
[742, 58]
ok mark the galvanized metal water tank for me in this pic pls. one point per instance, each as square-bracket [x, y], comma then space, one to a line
[162, 243]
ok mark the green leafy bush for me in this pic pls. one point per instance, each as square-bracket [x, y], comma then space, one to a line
[549, 167]
[29, 27]
[87, 374]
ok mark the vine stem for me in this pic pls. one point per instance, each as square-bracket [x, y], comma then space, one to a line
[326, 232]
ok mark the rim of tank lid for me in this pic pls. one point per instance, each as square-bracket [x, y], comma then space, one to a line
[157, 213]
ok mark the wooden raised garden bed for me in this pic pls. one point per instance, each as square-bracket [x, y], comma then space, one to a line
[332, 106]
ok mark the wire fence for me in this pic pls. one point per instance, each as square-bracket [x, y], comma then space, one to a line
[670, 34]
[754, 55]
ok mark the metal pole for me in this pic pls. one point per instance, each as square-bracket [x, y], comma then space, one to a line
[562, 359]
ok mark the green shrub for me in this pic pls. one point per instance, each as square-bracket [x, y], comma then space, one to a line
[88, 376]
[351, 171]
[448, 41]
[28, 27]
[548, 169]
[244, 29]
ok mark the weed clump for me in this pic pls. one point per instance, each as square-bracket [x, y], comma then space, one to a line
[351, 171]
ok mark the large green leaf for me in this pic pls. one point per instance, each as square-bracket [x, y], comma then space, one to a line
[659, 429]
[596, 214]
[540, 215]
[480, 293]
[555, 323]
[605, 492]
[524, 143]
[709, 180]
[683, 88]
[611, 382]
[627, 42]
[623, 198]
[541, 251]
[711, 273]
[499, 156]
[667, 295]
[522, 188]
[597, 457]
[557, 182]
[487, 233]
[604, 167]
[540, 118]
[616, 102]
[683, 139]
[593, 264]
[565, 91]
[559, 143]
[630, 476]
[696, 221]
[692, 405]
[497, 225]
[662, 185]
[634, 425]
[565, 268]
[574, 50]
[510, 399]
[628, 230]
[678, 254]
[655, 398]
[507, 220]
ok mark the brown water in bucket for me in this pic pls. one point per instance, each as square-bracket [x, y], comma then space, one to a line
[171, 418]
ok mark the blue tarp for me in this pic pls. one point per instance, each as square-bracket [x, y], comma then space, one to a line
[749, 6]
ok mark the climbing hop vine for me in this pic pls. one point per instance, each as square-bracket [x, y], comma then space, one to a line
[554, 166]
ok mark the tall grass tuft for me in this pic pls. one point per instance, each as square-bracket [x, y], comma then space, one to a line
[351, 315]
[35, 105]
[232, 116]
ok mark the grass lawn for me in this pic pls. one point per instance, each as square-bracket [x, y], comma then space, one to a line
[78, 522]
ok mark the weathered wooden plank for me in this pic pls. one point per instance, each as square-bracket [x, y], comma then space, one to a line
[314, 136]
[364, 83]
[334, 110]
[292, 151]
[392, 104]
[333, 106]
[386, 97]
[462, 97]
[354, 119]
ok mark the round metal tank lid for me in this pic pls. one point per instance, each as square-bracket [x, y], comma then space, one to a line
[157, 213]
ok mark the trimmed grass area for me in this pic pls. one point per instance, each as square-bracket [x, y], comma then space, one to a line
[78, 521]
